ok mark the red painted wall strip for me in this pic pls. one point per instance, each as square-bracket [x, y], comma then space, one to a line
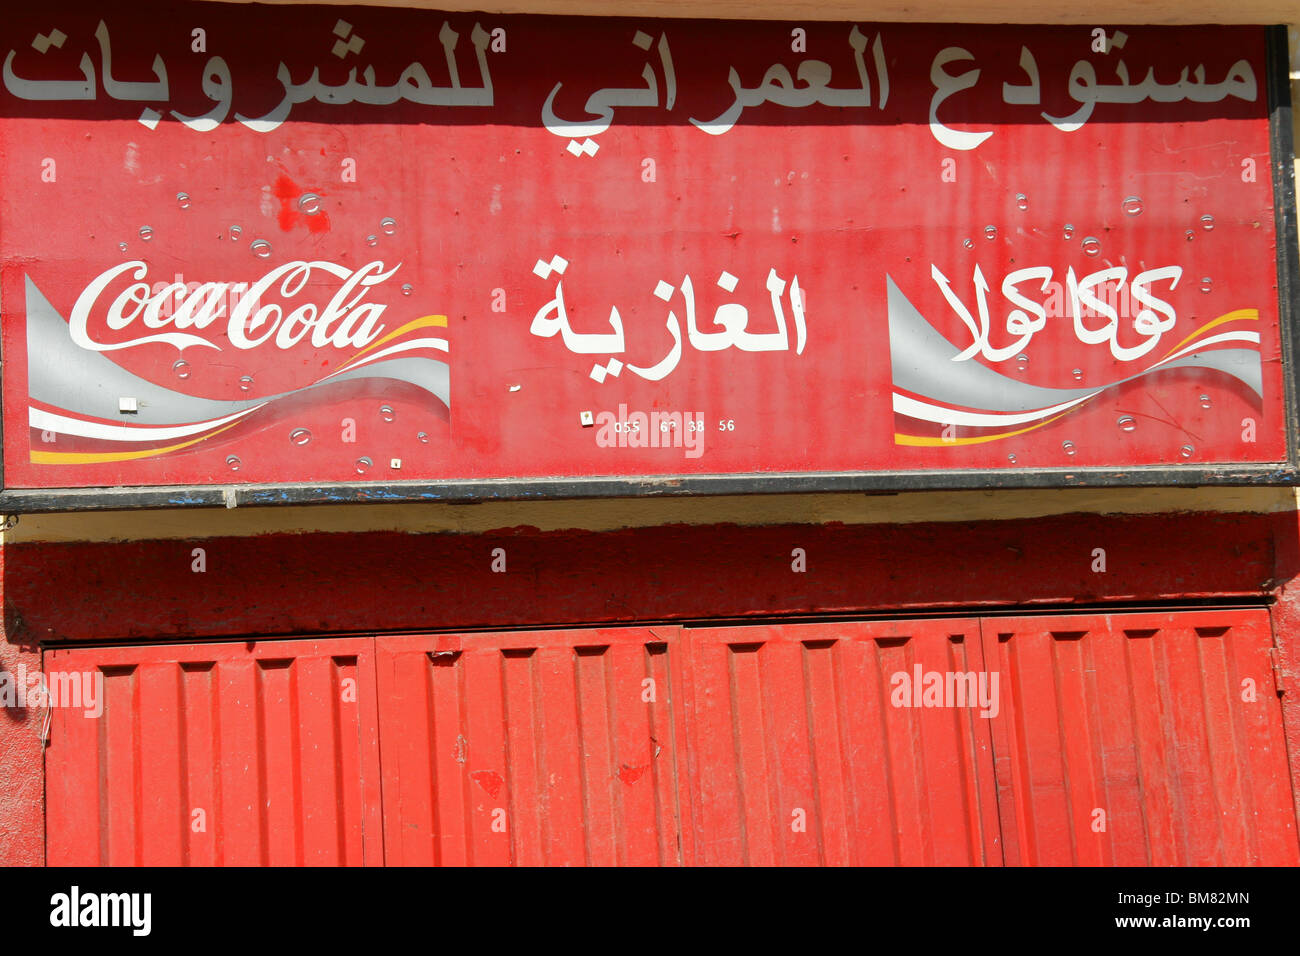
[337, 583]
[22, 792]
[1286, 637]
[319, 583]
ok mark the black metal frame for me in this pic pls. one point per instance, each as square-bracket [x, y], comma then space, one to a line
[1282, 148]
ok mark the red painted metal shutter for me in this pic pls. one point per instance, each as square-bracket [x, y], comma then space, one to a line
[793, 725]
[759, 744]
[1141, 716]
[532, 748]
[274, 743]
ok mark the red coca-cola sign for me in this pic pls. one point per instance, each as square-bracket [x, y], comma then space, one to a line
[297, 246]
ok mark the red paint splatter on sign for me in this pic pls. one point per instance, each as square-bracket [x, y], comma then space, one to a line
[289, 192]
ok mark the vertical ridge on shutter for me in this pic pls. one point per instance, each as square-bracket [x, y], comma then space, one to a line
[1155, 732]
[247, 733]
[554, 733]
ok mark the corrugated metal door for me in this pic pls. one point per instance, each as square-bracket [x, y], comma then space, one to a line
[532, 748]
[1141, 739]
[235, 754]
[799, 755]
[1136, 738]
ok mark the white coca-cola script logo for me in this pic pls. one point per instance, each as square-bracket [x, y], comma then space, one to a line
[345, 321]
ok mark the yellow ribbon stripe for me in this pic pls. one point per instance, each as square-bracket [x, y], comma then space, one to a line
[1248, 315]
[923, 441]
[93, 458]
[424, 322]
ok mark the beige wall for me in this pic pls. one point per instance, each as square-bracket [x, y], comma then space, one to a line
[759, 509]
[607, 514]
[1102, 12]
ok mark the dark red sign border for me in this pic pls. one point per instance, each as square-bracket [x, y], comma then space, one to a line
[1287, 473]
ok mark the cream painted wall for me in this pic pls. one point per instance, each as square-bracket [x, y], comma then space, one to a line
[1103, 12]
[608, 514]
[758, 509]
